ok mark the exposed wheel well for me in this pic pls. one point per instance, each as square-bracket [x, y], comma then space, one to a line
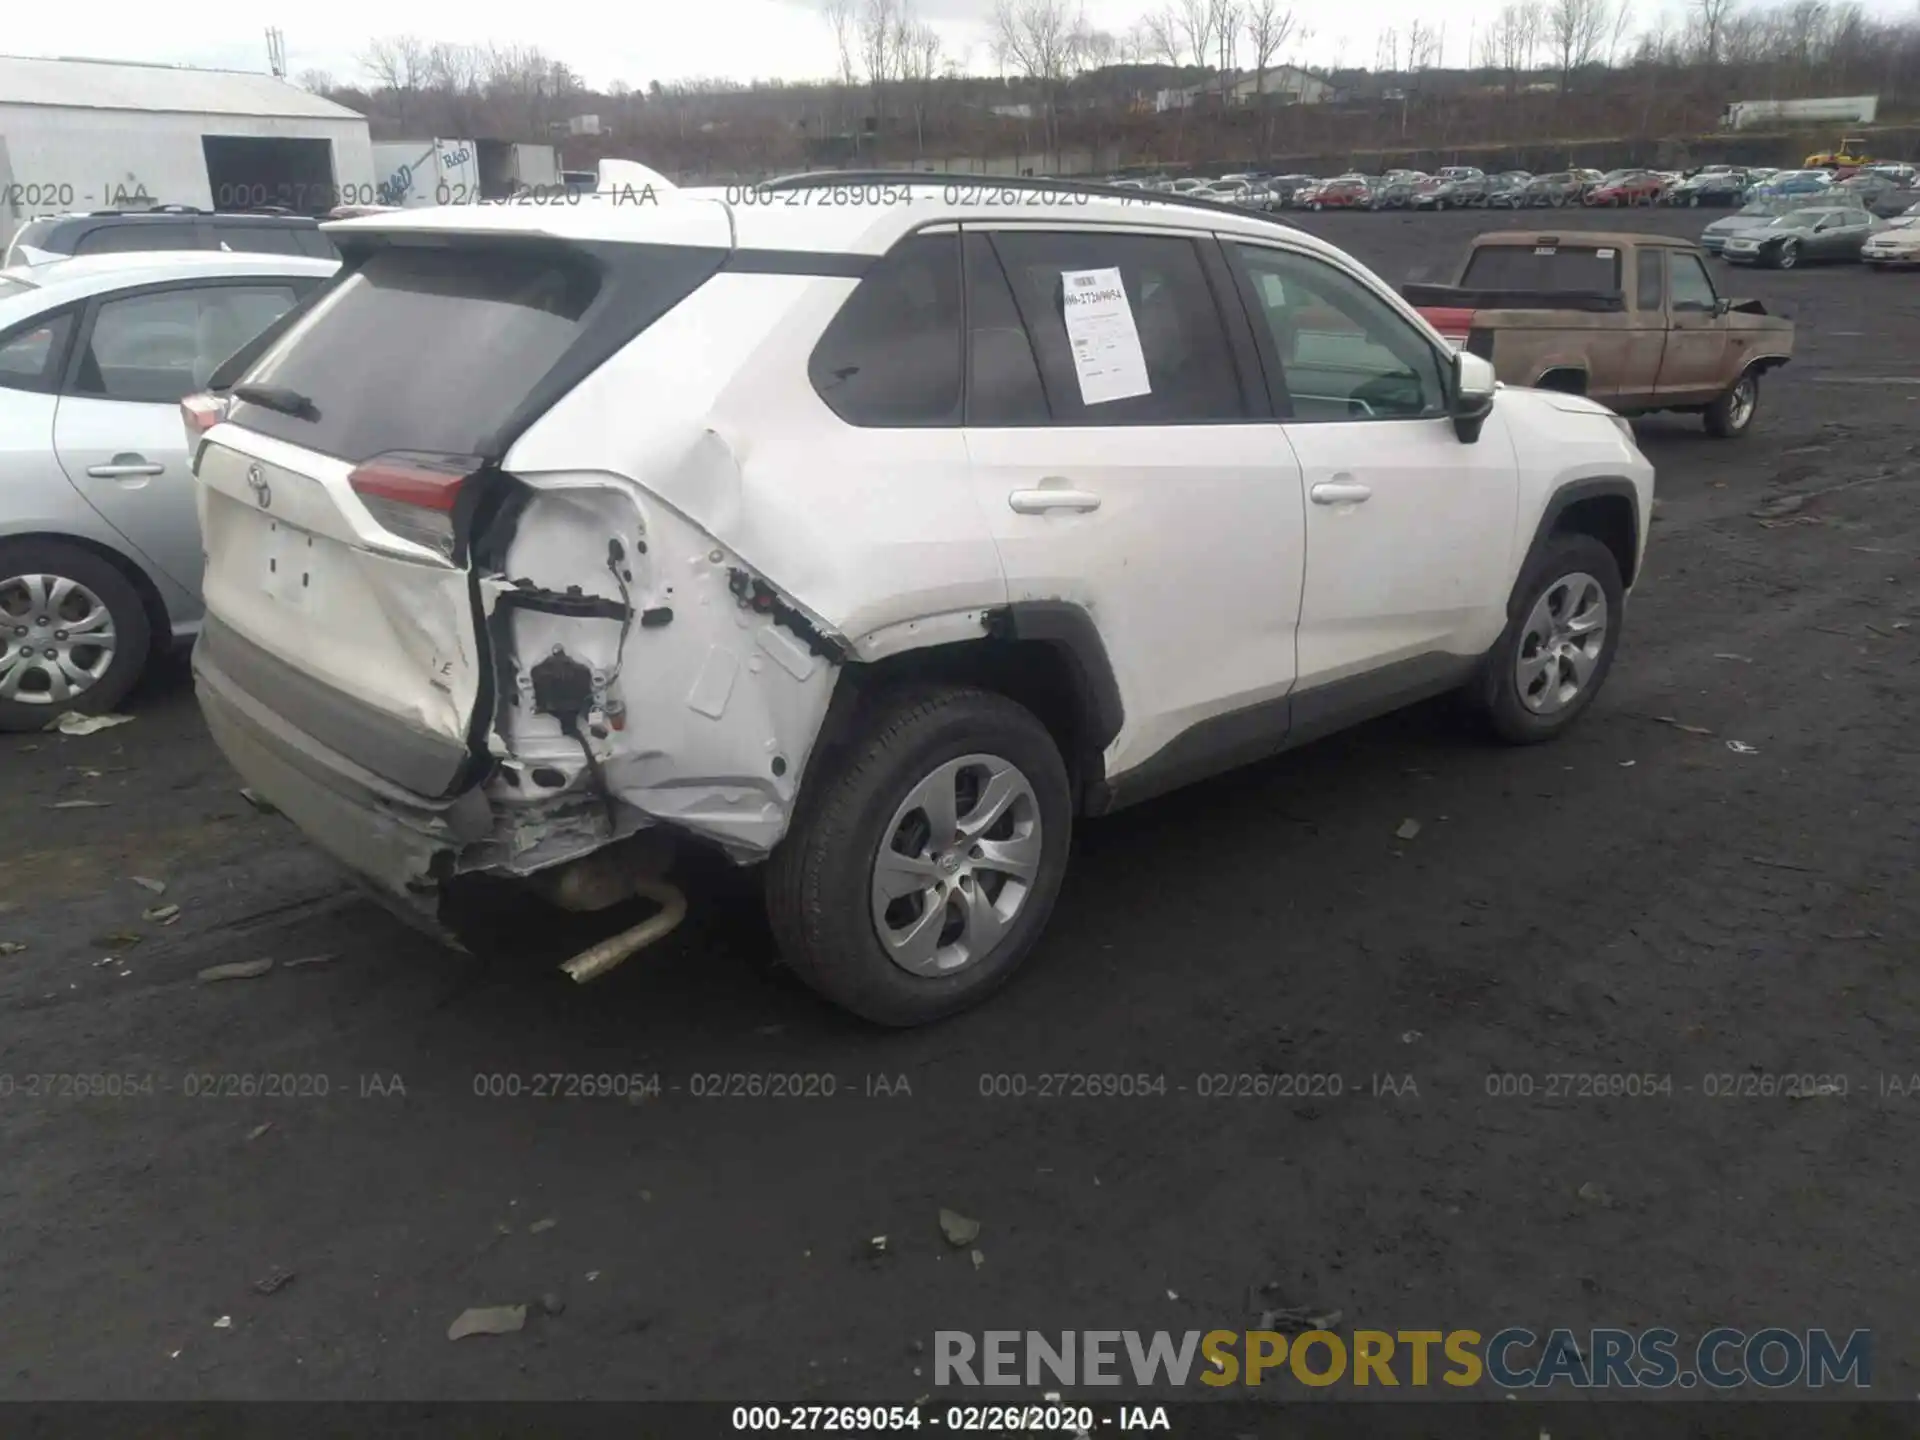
[1034, 673]
[1608, 519]
[157, 620]
[1566, 379]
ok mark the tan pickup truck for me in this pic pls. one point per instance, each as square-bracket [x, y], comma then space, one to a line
[1633, 321]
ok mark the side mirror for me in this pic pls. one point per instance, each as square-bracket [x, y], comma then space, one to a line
[1474, 383]
[1722, 306]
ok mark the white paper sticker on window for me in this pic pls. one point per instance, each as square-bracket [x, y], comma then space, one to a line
[1544, 250]
[1604, 254]
[1106, 343]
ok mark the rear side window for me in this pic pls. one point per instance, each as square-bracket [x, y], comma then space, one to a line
[891, 356]
[1583, 268]
[424, 349]
[1093, 373]
[31, 354]
[158, 347]
[1003, 379]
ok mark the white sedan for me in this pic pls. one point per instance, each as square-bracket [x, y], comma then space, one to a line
[1897, 244]
[100, 551]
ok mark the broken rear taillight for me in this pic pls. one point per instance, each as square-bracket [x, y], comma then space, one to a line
[412, 494]
[200, 413]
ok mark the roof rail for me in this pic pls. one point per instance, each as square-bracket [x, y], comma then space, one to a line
[821, 179]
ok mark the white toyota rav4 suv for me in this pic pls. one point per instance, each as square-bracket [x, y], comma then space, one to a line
[874, 533]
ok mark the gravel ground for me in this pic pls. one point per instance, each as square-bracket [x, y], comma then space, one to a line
[1645, 897]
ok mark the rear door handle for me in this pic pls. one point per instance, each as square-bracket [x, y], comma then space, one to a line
[1340, 492]
[1038, 502]
[122, 469]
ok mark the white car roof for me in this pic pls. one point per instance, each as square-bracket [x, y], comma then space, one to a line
[75, 277]
[860, 217]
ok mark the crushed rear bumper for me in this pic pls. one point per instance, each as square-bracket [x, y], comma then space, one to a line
[403, 845]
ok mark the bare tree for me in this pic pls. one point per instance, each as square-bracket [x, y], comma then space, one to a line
[1166, 39]
[1577, 30]
[879, 30]
[1224, 19]
[1269, 24]
[399, 64]
[1423, 43]
[1195, 18]
[1622, 18]
[922, 59]
[320, 82]
[1709, 25]
[839, 17]
[1042, 39]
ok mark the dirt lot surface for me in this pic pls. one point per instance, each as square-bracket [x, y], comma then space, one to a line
[1724, 897]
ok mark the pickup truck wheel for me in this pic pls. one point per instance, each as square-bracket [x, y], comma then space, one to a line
[1732, 413]
[923, 865]
[1559, 642]
[73, 633]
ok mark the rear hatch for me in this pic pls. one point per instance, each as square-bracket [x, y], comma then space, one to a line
[361, 450]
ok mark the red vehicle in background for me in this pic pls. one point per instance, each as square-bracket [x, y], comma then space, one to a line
[1345, 194]
[1628, 187]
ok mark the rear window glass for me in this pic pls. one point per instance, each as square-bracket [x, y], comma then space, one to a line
[424, 349]
[119, 239]
[1543, 267]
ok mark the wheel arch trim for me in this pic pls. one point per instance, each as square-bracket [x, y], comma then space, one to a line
[1564, 499]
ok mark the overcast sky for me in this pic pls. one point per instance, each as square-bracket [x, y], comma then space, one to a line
[652, 39]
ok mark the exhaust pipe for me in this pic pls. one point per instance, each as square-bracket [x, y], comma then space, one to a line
[592, 963]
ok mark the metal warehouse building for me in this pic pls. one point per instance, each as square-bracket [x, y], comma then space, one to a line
[101, 134]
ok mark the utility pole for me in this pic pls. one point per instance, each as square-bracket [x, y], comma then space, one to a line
[277, 53]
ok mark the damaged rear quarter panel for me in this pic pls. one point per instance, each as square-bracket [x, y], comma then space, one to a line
[704, 717]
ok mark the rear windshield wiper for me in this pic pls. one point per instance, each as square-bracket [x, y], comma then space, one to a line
[278, 397]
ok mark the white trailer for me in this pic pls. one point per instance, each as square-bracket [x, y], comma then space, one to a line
[507, 168]
[427, 172]
[1840, 109]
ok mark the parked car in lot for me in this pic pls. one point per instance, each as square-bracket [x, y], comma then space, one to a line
[1459, 189]
[1564, 187]
[1882, 195]
[1754, 215]
[1280, 191]
[1634, 321]
[1507, 192]
[1791, 183]
[1895, 244]
[1345, 194]
[476, 617]
[1827, 232]
[1395, 192]
[99, 550]
[1627, 187]
[165, 227]
[1716, 185]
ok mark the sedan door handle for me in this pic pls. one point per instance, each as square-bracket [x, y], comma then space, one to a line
[1038, 502]
[1340, 492]
[120, 471]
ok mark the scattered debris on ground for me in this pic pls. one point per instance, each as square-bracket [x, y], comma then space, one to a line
[259, 1130]
[311, 960]
[488, 1320]
[1408, 829]
[552, 1304]
[540, 1227]
[959, 1230]
[74, 723]
[12, 947]
[275, 1279]
[258, 802]
[1594, 1194]
[239, 970]
[79, 805]
[158, 887]
[160, 913]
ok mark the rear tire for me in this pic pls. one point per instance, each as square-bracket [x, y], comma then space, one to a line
[832, 890]
[1732, 414]
[1527, 686]
[96, 656]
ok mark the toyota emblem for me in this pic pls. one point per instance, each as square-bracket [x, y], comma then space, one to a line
[258, 484]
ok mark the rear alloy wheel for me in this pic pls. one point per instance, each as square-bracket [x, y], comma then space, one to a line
[73, 633]
[924, 862]
[1562, 631]
[1733, 412]
[1787, 256]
